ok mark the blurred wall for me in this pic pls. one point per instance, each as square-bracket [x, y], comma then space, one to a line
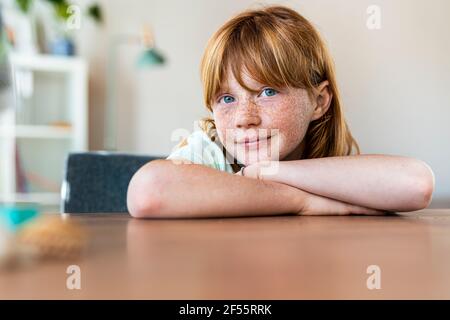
[395, 81]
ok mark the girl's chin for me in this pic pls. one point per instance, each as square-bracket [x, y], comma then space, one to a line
[248, 156]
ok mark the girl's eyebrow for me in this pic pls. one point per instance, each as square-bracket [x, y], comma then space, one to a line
[227, 89]
[222, 91]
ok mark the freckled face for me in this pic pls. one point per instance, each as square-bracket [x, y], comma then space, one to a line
[267, 125]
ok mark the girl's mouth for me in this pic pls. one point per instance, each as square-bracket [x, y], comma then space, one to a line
[256, 143]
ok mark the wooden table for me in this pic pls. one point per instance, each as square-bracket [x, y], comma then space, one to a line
[285, 257]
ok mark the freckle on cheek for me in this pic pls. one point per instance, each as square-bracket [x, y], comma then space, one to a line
[291, 118]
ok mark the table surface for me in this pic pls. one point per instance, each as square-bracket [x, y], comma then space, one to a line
[283, 257]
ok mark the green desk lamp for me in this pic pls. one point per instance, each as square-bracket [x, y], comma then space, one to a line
[149, 57]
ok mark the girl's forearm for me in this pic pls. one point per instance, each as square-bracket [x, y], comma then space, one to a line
[376, 181]
[162, 189]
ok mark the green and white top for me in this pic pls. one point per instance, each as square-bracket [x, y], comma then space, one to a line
[200, 149]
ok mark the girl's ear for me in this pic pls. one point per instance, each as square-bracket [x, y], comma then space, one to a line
[322, 101]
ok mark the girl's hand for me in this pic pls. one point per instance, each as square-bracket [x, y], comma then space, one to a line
[239, 173]
[317, 205]
[260, 170]
[312, 204]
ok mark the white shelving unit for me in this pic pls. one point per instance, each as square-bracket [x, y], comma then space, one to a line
[47, 119]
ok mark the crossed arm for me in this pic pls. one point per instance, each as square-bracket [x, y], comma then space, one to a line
[366, 184]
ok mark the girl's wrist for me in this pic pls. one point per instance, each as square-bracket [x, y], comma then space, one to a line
[264, 170]
[241, 172]
[251, 171]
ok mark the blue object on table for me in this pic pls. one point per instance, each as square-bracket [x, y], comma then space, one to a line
[97, 182]
[63, 47]
[16, 215]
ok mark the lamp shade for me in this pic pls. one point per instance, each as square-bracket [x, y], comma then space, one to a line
[150, 57]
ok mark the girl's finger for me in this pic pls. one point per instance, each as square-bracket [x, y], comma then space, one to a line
[366, 211]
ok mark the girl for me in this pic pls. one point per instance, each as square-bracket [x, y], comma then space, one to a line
[277, 141]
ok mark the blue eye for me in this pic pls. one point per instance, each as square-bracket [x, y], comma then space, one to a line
[269, 92]
[228, 99]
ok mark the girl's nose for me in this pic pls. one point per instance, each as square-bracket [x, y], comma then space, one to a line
[247, 115]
